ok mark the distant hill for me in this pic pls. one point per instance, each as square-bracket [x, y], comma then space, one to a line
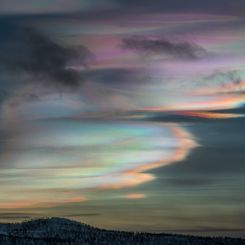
[66, 232]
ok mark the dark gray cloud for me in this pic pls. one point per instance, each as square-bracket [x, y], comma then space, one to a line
[151, 46]
[27, 52]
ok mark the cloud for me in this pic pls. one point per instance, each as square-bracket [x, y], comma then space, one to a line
[73, 6]
[223, 83]
[83, 215]
[27, 52]
[119, 77]
[222, 78]
[52, 7]
[13, 216]
[134, 196]
[151, 46]
[209, 6]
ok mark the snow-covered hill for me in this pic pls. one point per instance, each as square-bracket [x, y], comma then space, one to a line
[67, 232]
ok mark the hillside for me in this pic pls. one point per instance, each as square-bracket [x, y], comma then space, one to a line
[66, 232]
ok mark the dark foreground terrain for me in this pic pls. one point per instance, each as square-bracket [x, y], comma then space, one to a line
[63, 231]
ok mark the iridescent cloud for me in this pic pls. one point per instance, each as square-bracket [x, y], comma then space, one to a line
[62, 158]
[64, 145]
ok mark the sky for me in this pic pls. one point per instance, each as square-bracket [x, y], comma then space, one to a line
[124, 114]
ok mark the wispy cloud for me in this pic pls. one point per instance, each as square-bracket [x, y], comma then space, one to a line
[163, 46]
